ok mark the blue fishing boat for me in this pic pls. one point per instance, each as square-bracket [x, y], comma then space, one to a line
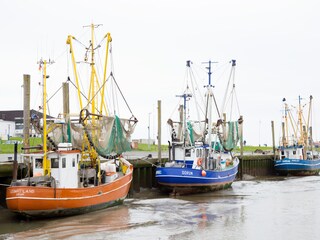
[296, 151]
[200, 151]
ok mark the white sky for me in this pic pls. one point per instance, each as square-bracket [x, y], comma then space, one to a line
[276, 45]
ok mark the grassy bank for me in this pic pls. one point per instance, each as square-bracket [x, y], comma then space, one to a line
[152, 148]
[8, 146]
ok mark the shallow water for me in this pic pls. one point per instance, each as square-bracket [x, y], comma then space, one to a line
[286, 208]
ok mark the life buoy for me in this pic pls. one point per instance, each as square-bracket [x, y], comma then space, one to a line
[199, 161]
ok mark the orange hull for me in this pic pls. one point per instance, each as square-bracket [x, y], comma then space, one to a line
[51, 202]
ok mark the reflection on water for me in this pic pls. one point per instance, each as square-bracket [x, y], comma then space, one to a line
[279, 209]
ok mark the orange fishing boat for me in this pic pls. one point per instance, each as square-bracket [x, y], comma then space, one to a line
[79, 167]
[39, 196]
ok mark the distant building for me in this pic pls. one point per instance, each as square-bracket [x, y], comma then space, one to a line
[7, 129]
[11, 123]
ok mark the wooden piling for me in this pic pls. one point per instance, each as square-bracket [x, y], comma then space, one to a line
[26, 110]
[26, 117]
[273, 141]
[65, 96]
[159, 131]
[15, 163]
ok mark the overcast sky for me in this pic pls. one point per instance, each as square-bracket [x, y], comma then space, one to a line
[276, 45]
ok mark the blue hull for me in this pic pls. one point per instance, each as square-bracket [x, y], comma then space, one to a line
[297, 166]
[188, 180]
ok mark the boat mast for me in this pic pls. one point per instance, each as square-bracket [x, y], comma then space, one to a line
[309, 127]
[69, 42]
[209, 109]
[285, 134]
[301, 140]
[45, 163]
[185, 97]
[109, 40]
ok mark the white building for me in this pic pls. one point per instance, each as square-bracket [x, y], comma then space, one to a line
[7, 128]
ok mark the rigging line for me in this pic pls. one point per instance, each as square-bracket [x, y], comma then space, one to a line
[215, 103]
[113, 97]
[99, 44]
[234, 91]
[121, 92]
[117, 102]
[293, 123]
[54, 93]
[226, 92]
[68, 63]
[236, 97]
[224, 68]
[59, 56]
[77, 88]
[197, 87]
[111, 62]
[174, 109]
[195, 97]
[48, 109]
[197, 76]
[82, 43]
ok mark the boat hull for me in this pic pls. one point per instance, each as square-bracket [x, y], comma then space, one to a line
[297, 167]
[188, 180]
[50, 202]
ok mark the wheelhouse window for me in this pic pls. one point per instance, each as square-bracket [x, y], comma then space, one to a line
[63, 162]
[54, 163]
[38, 163]
[294, 152]
[73, 162]
[188, 153]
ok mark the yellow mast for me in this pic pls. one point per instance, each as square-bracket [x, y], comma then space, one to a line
[92, 78]
[301, 140]
[46, 163]
[69, 41]
[308, 124]
[93, 98]
[109, 39]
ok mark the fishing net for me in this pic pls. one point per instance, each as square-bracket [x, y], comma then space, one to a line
[190, 130]
[107, 135]
[232, 133]
[113, 137]
[194, 132]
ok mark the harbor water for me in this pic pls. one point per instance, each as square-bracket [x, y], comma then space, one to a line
[277, 208]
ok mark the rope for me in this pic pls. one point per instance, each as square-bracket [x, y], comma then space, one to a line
[80, 92]
[144, 159]
[76, 88]
[6, 185]
[80, 43]
[111, 74]
[54, 94]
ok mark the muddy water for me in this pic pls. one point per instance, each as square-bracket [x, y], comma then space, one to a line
[286, 208]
